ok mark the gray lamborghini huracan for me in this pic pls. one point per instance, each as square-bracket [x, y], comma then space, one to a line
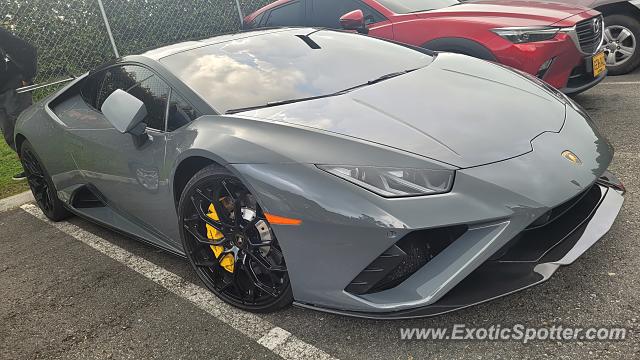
[332, 170]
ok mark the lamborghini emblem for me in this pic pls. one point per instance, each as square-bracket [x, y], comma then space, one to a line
[569, 155]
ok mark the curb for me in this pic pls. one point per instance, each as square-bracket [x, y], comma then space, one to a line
[15, 201]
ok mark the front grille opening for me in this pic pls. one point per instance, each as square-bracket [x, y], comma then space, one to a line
[404, 258]
[533, 243]
[590, 34]
[558, 211]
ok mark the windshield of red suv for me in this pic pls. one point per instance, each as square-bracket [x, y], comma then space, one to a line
[412, 6]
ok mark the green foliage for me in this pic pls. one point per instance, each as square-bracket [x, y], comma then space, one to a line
[9, 166]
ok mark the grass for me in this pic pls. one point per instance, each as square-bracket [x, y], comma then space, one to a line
[9, 166]
[9, 162]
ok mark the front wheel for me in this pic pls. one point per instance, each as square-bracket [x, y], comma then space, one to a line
[621, 36]
[230, 243]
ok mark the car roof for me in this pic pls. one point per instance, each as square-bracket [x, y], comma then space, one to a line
[161, 52]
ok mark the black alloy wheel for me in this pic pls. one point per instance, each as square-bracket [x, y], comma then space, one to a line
[230, 244]
[41, 185]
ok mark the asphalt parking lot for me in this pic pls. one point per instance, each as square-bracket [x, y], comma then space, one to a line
[75, 290]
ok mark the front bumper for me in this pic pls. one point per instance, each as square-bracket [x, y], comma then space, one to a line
[346, 228]
[581, 80]
[527, 260]
[570, 69]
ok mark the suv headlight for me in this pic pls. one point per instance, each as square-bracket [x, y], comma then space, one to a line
[395, 182]
[520, 35]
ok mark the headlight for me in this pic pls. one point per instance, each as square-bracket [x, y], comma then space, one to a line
[395, 182]
[519, 35]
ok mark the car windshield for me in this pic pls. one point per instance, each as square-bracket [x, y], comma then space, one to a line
[275, 67]
[412, 6]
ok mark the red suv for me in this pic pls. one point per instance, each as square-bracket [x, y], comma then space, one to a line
[558, 43]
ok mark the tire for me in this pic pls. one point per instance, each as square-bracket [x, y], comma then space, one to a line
[258, 280]
[614, 24]
[41, 185]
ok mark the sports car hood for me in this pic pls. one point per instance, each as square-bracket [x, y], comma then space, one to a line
[458, 110]
[511, 12]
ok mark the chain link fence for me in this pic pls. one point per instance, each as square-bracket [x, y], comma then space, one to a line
[71, 35]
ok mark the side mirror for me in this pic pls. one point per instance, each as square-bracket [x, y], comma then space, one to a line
[354, 21]
[125, 112]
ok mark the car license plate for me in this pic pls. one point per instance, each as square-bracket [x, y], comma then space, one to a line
[599, 64]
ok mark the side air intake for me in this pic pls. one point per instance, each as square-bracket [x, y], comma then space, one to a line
[403, 259]
[85, 197]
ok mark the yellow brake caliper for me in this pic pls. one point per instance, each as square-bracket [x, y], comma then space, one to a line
[213, 234]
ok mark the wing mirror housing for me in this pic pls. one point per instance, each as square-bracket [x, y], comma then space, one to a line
[354, 20]
[125, 112]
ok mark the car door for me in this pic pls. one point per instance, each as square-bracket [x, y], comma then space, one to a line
[130, 172]
[327, 13]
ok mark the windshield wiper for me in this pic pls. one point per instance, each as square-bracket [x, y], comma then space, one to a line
[341, 92]
[278, 103]
[388, 76]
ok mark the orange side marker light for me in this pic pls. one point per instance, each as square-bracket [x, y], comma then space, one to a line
[280, 220]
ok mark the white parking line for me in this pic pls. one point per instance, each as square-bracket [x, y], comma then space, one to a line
[620, 83]
[278, 340]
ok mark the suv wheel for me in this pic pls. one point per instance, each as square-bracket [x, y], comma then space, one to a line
[621, 37]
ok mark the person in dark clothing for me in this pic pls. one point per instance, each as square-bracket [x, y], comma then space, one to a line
[18, 66]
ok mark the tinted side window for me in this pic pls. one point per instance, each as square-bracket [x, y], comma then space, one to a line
[137, 81]
[152, 91]
[89, 91]
[180, 112]
[327, 13]
[114, 78]
[290, 14]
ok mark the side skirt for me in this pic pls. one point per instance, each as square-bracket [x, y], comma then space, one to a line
[105, 216]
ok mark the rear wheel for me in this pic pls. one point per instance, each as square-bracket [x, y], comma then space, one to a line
[230, 244]
[621, 37]
[41, 184]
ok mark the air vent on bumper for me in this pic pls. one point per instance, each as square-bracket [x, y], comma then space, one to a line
[403, 259]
